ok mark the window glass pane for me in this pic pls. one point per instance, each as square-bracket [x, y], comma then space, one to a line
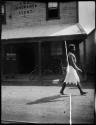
[3, 16]
[52, 4]
[53, 13]
[2, 9]
[56, 49]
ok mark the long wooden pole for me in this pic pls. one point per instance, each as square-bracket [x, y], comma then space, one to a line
[39, 58]
[66, 52]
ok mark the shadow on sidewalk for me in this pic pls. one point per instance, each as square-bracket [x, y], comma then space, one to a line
[47, 99]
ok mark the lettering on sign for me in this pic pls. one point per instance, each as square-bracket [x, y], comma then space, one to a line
[10, 56]
[24, 8]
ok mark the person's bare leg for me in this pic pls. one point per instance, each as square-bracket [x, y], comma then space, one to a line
[62, 89]
[81, 91]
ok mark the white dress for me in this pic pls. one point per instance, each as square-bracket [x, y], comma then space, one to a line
[71, 75]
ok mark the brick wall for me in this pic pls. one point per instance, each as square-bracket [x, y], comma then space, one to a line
[68, 15]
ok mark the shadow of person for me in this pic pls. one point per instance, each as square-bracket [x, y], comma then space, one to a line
[80, 95]
[47, 99]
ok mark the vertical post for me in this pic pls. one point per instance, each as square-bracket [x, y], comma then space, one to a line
[2, 60]
[39, 58]
[85, 73]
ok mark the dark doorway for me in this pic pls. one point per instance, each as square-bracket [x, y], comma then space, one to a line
[26, 57]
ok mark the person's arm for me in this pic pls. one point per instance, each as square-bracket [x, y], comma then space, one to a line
[74, 65]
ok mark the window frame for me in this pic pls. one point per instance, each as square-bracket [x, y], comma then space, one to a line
[58, 8]
[3, 15]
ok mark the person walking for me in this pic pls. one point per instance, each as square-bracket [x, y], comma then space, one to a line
[71, 74]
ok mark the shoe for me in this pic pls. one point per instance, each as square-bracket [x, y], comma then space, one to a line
[83, 93]
[61, 93]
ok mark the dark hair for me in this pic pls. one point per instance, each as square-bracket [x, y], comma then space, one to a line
[71, 47]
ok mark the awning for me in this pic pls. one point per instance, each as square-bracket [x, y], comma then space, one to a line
[43, 31]
[88, 28]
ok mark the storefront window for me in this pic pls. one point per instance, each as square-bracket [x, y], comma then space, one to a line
[56, 49]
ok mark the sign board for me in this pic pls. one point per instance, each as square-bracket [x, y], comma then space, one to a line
[10, 56]
[24, 8]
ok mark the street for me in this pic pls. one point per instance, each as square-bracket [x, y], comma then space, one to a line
[44, 104]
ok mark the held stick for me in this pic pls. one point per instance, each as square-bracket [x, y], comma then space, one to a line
[66, 52]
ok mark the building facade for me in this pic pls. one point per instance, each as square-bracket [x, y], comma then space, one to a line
[34, 35]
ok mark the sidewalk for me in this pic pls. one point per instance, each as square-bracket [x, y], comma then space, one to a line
[25, 80]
